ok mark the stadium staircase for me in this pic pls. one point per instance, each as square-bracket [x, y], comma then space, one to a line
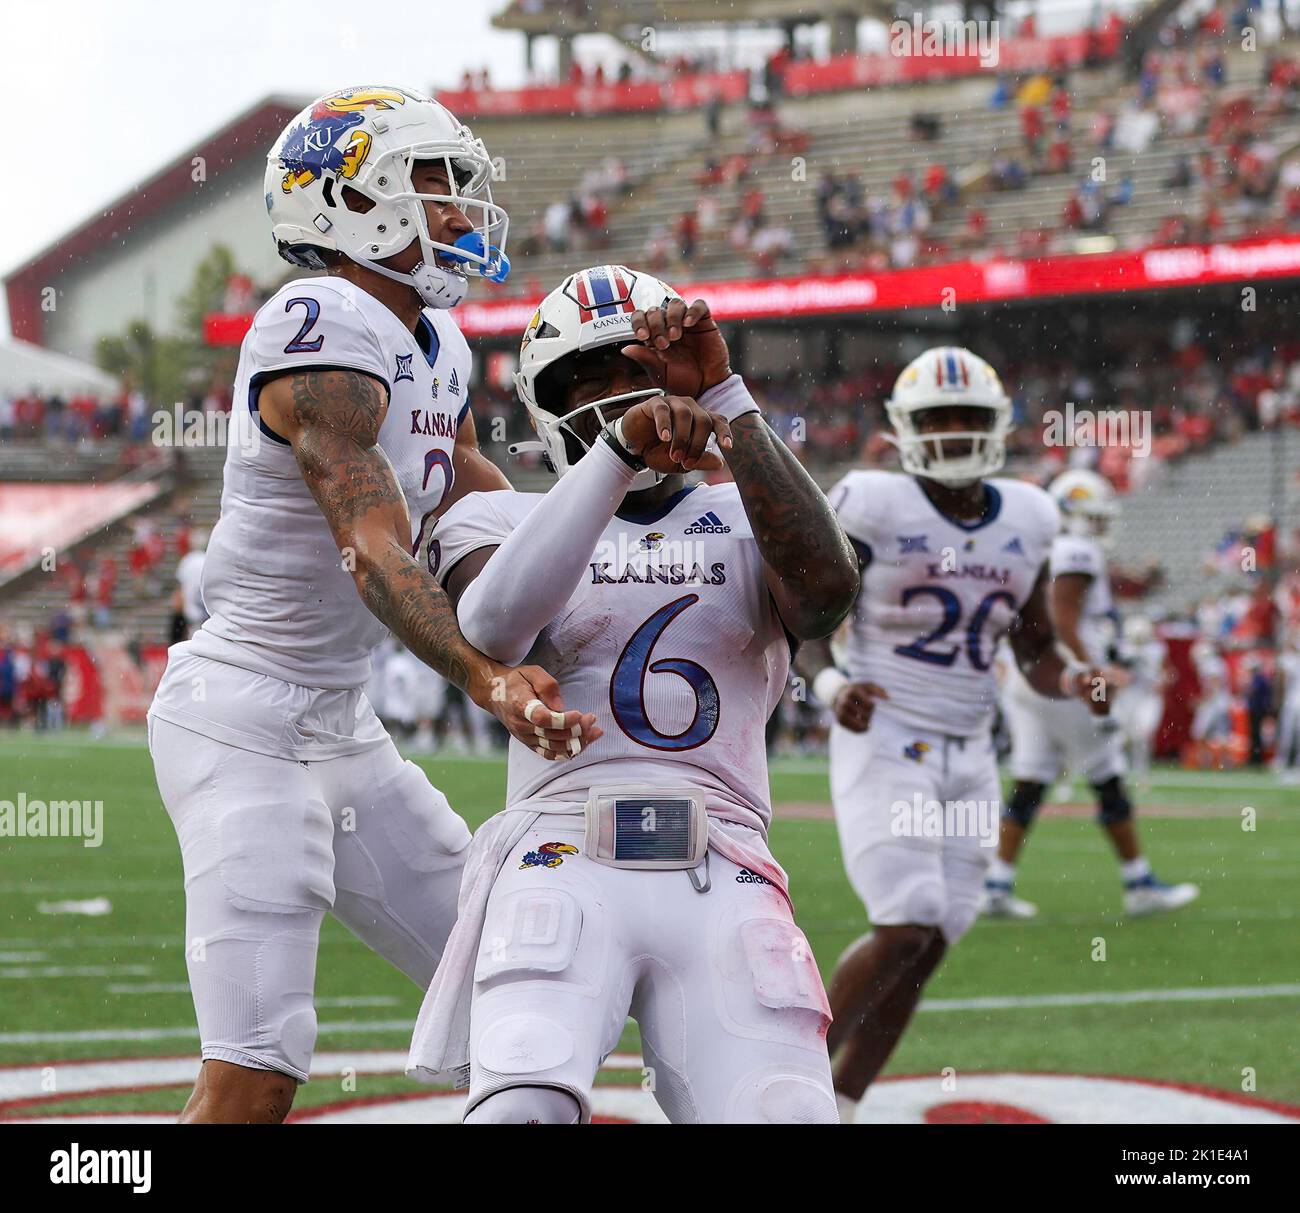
[1189, 506]
[866, 133]
[31, 601]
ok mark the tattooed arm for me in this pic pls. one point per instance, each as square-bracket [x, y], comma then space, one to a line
[331, 419]
[812, 571]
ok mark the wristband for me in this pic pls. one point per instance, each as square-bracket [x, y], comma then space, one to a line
[828, 684]
[614, 439]
[730, 399]
[1068, 677]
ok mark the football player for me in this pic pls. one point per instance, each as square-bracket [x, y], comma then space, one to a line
[350, 432]
[1140, 706]
[1286, 760]
[636, 878]
[951, 561]
[1048, 738]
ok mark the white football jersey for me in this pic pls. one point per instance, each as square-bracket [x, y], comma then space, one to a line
[280, 601]
[1288, 664]
[938, 593]
[673, 641]
[1146, 666]
[1099, 624]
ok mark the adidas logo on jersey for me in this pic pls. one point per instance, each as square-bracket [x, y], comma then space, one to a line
[453, 384]
[1013, 545]
[745, 876]
[708, 524]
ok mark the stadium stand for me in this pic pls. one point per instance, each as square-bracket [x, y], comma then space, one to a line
[1198, 140]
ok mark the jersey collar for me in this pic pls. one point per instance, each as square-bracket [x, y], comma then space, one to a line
[992, 508]
[662, 510]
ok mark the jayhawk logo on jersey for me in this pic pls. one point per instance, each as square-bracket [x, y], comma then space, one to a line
[328, 142]
[548, 855]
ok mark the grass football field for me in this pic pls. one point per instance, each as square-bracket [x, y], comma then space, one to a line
[1207, 996]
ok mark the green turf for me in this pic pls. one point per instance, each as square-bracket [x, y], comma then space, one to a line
[1242, 932]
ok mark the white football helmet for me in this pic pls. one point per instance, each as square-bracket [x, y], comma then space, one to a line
[948, 375]
[589, 309]
[367, 140]
[1137, 631]
[1087, 503]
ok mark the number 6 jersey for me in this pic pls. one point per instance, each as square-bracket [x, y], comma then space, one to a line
[938, 593]
[671, 638]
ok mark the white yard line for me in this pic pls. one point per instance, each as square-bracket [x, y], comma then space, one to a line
[1111, 998]
[41, 972]
[147, 987]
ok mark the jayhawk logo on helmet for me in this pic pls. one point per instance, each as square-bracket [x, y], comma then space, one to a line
[548, 855]
[319, 144]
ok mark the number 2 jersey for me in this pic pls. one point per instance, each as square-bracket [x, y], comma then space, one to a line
[671, 638]
[938, 593]
[280, 599]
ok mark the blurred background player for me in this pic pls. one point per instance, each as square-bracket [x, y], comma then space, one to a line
[637, 878]
[1049, 738]
[288, 797]
[1140, 705]
[1287, 762]
[187, 602]
[951, 562]
[1211, 734]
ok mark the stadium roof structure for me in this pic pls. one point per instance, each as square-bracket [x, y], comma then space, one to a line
[245, 136]
[605, 16]
[25, 367]
[627, 20]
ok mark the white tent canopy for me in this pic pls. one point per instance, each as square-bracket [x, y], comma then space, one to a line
[24, 367]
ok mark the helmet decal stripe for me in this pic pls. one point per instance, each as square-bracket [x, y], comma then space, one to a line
[602, 292]
[584, 297]
[623, 289]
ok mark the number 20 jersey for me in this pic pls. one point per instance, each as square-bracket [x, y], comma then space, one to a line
[938, 593]
[671, 638]
[280, 598]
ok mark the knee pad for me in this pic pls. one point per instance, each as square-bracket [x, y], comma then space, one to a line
[1024, 802]
[921, 902]
[959, 919]
[782, 1097]
[526, 1106]
[253, 1000]
[1113, 804]
[530, 994]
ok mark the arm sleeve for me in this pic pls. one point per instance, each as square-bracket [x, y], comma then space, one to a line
[313, 325]
[530, 577]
